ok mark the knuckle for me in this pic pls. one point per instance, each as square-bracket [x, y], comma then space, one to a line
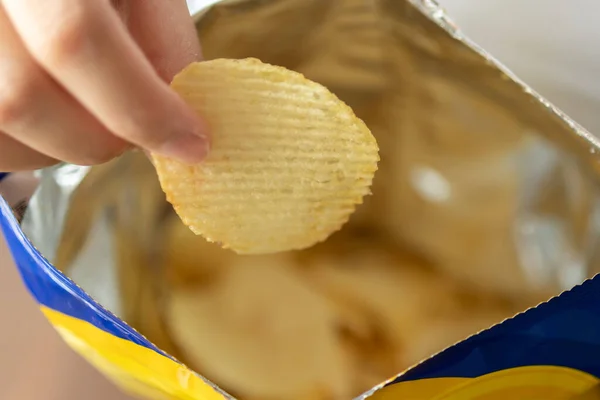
[18, 92]
[65, 42]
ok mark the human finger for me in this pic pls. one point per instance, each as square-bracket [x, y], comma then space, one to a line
[165, 32]
[15, 156]
[87, 49]
[36, 111]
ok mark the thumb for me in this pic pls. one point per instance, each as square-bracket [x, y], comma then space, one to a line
[165, 32]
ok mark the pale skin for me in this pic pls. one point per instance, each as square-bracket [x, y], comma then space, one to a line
[83, 81]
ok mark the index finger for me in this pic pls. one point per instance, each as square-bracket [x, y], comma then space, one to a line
[85, 47]
[173, 42]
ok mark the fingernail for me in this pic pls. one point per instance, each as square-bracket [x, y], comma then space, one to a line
[187, 148]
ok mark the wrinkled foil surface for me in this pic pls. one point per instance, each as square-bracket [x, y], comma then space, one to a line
[479, 174]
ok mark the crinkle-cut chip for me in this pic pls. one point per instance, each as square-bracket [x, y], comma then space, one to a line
[393, 290]
[188, 258]
[261, 331]
[438, 333]
[289, 160]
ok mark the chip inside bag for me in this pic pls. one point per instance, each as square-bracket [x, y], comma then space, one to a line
[466, 273]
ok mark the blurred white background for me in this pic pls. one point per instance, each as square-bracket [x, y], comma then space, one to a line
[552, 44]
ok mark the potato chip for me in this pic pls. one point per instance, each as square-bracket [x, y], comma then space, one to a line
[439, 333]
[289, 161]
[395, 294]
[261, 332]
[373, 358]
[188, 258]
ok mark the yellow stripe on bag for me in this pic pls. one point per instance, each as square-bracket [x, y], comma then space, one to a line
[423, 389]
[136, 369]
[527, 382]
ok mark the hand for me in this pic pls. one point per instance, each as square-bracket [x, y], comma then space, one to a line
[84, 80]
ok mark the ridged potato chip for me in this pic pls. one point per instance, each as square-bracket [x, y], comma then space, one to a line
[289, 160]
[262, 332]
[189, 259]
[393, 292]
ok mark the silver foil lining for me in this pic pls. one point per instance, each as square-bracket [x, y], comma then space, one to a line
[556, 243]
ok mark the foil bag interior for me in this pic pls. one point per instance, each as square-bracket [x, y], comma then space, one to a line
[480, 175]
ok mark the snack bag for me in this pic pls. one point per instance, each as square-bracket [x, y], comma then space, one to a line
[548, 352]
[485, 206]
